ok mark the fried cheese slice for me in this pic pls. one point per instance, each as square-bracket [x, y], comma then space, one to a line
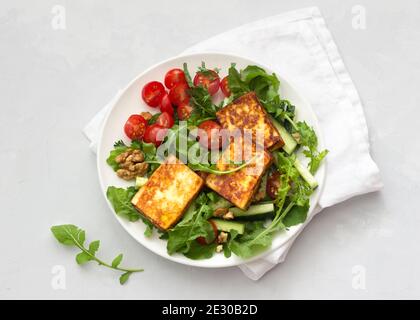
[240, 186]
[168, 193]
[246, 112]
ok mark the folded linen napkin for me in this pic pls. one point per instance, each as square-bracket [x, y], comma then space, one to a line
[299, 46]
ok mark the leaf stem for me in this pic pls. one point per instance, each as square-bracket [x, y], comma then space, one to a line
[99, 261]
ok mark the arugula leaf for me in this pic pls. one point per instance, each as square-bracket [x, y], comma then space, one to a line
[236, 85]
[71, 235]
[124, 277]
[200, 98]
[117, 260]
[207, 72]
[255, 240]
[198, 251]
[182, 238]
[154, 117]
[149, 151]
[120, 199]
[187, 75]
[173, 143]
[227, 251]
[309, 140]
[296, 215]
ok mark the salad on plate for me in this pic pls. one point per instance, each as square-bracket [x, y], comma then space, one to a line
[221, 167]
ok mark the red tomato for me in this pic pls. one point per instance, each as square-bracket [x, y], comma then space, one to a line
[184, 111]
[165, 120]
[224, 86]
[153, 93]
[209, 80]
[179, 94]
[173, 77]
[211, 129]
[154, 134]
[202, 240]
[273, 184]
[135, 127]
[166, 105]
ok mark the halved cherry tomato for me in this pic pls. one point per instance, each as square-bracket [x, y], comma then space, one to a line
[173, 77]
[273, 184]
[224, 86]
[209, 80]
[203, 241]
[184, 111]
[153, 93]
[179, 94]
[212, 133]
[165, 120]
[155, 134]
[135, 127]
[166, 105]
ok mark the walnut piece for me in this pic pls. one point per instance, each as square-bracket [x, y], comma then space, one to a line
[222, 237]
[146, 115]
[220, 212]
[228, 216]
[131, 164]
[219, 248]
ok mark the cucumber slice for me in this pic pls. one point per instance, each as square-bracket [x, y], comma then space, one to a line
[226, 226]
[306, 175]
[289, 142]
[140, 182]
[253, 210]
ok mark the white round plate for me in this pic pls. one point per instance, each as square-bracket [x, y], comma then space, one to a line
[130, 102]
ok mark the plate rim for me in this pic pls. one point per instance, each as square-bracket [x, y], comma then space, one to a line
[196, 263]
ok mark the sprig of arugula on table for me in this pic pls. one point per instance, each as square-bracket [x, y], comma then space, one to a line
[71, 235]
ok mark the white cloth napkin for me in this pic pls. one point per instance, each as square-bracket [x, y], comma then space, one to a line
[299, 46]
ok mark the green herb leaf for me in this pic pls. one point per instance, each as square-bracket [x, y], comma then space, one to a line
[200, 98]
[83, 257]
[153, 119]
[124, 277]
[69, 234]
[94, 247]
[309, 140]
[198, 251]
[116, 262]
[296, 215]
[255, 240]
[182, 238]
[120, 199]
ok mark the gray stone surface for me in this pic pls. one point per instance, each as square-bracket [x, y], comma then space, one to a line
[53, 81]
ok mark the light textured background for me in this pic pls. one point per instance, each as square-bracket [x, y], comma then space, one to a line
[53, 81]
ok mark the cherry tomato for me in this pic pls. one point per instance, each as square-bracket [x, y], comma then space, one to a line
[203, 241]
[273, 184]
[165, 120]
[166, 105]
[153, 93]
[135, 127]
[184, 111]
[224, 86]
[173, 77]
[179, 94]
[211, 129]
[155, 134]
[209, 80]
